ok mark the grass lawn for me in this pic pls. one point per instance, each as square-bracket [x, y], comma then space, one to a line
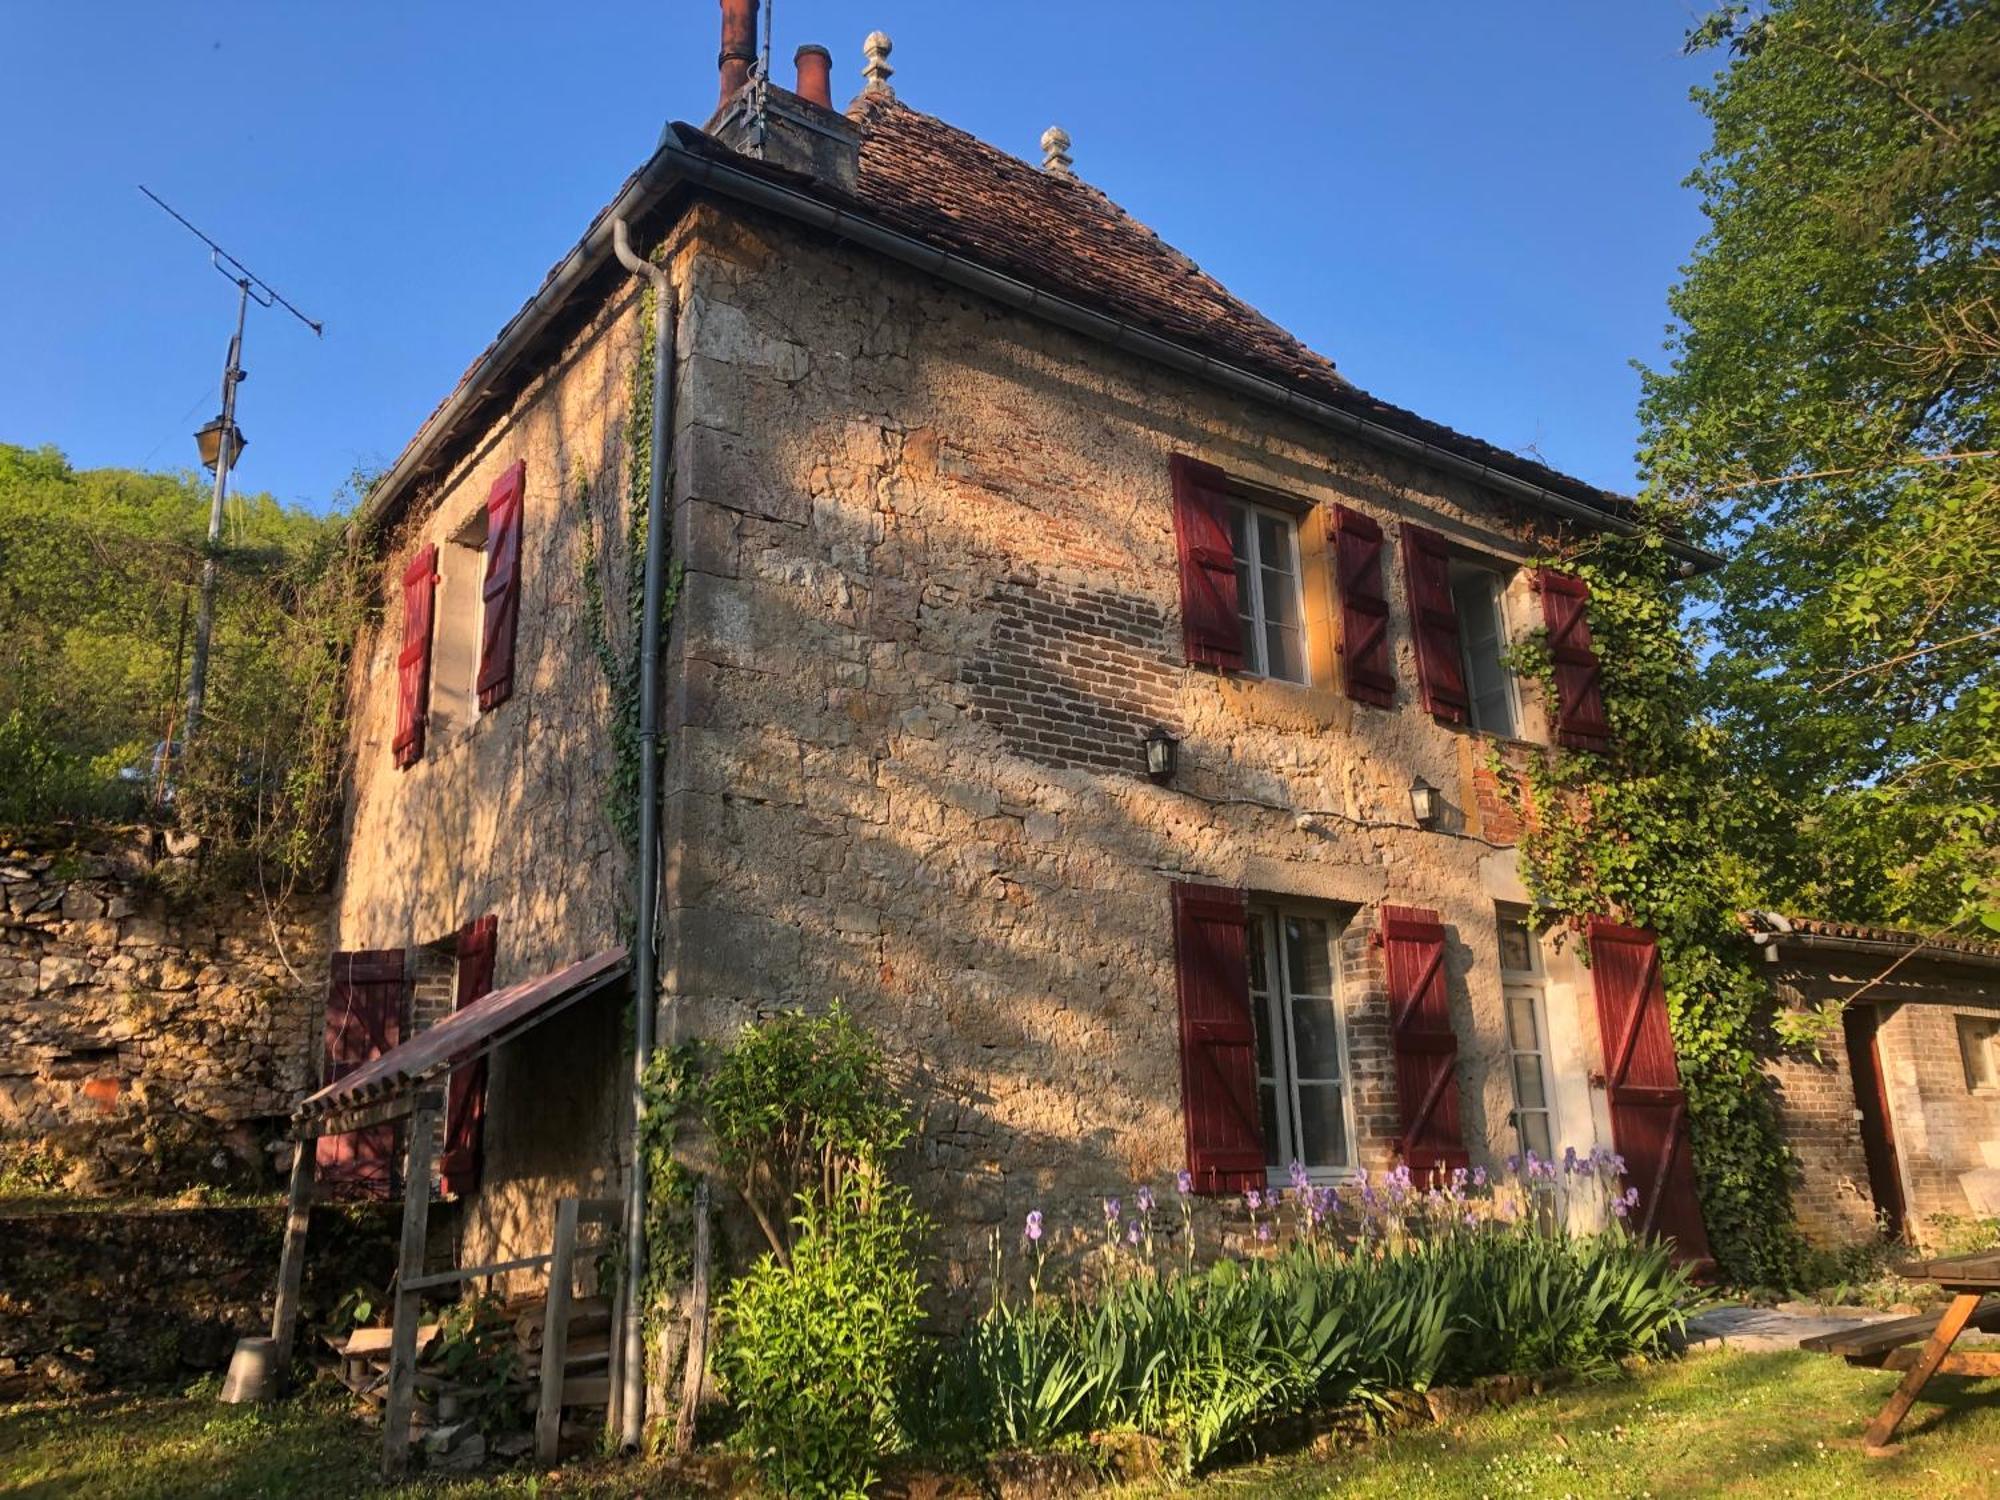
[1714, 1424]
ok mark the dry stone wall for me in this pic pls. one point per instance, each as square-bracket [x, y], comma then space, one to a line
[145, 1040]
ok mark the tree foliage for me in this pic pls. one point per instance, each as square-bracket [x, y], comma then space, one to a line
[99, 572]
[1827, 418]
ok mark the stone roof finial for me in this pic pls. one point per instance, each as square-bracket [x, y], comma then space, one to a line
[1055, 152]
[877, 49]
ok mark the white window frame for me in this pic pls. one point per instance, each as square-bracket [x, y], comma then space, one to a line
[1273, 1012]
[1495, 579]
[1531, 984]
[459, 607]
[1256, 661]
[1965, 1023]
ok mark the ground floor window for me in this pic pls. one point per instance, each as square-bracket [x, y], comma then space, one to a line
[1301, 1044]
[1523, 986]
[1979, 1050]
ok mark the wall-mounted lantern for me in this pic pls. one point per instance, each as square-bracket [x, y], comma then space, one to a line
[1425, 803]
[1160, 747]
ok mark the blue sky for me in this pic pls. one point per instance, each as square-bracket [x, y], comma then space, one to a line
[1474, 208]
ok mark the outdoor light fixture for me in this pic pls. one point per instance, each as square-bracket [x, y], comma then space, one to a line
[1424, 803]
[210, 441]
[1160, 754]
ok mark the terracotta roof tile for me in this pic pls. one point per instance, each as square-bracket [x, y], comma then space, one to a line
[1863, 932]
[937, 183]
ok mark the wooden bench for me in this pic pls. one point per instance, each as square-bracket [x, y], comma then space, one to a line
[1881, 1346]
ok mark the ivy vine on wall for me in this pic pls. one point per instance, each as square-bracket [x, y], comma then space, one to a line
[1637, 833]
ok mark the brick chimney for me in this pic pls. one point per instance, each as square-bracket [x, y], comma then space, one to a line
[739, 46]
[798, 130]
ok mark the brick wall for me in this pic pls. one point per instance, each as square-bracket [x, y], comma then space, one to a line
[1073, 676]
[1815, 1098]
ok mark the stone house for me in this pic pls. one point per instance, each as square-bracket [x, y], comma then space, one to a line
[1070, 670]
[1896, 1118]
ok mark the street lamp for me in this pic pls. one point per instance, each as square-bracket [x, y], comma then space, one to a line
[1160, 747]
[209, 440]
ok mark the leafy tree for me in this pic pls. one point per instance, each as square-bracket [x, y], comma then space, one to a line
[99, 570]
[1827, 416]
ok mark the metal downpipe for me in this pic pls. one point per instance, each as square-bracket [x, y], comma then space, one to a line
[631, 1403]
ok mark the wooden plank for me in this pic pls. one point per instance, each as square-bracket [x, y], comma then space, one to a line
[1875, 1441]
[409, 1301]
[366, 1341]
[585, 1390]
[470, 1273]
[697, 1359]
[1862, 1344]
[1979, 1362]
[292, 1259]
[555, 1336]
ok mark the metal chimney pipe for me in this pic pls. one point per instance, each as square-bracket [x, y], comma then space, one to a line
[815, 65]
[739, 46]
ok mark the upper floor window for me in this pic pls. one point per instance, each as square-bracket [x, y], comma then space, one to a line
[1301, 1046]
[1269, 599]
[1476, 595]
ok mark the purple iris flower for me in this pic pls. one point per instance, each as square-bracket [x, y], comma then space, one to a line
[1113, 1210]
[1132, 1233]
[1145, 1200]
[1263, 1233]
[1032, 1231]
[1569, 1160]
[1298, 1174]
[1479, 1177]
[1184, 1182]
[1253, 1199]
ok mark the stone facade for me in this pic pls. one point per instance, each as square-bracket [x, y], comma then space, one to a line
[930, 603]
[507, 813]
[122, 1010]
[1945, 1131]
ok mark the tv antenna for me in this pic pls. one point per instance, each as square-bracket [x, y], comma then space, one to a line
[221, 442]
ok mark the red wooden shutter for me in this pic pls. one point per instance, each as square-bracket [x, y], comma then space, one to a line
[413, 666]
[1366, 671]
[364, 1019]
[1425, 1045]
[1225, 1133]
[1434, 623]
[1210, 626]
[465, 1101]
[502, 590]
[1649, 1121]
[1580, 720]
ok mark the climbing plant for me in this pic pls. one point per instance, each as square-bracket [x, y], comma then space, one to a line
[1639, 833]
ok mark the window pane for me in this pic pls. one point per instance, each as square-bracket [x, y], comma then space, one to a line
[1260, 978]
[1285, 653]
[1267, 1106]
[1315, 1038]
[1517, 945]
[1308, 956]
[1534, 1126]
[1521, 1028]
[1475, 594]
[1274, 543]
[1260, 1021]
[1321, 1124]
[1528, 1081]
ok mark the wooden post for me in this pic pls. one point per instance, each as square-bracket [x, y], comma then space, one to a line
[1875, 1441]
[421, 1126]
[292, 1262]
[697, 1360]
[555, 1336]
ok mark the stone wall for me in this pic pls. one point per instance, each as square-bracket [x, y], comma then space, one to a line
[930, 601]
[140, 1034]
[129, 1296]
[507, 814]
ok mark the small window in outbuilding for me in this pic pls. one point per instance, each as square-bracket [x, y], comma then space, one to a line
[1979, 1049]
[461, 614]
[1482, 632]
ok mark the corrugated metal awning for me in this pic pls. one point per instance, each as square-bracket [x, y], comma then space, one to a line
[387, 1086]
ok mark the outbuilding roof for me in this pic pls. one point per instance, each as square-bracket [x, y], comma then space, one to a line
[1779, 928]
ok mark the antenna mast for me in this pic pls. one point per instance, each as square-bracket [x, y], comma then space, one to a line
[228, 445]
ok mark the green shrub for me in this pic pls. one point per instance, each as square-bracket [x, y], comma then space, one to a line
[795, 1105]
[813, 1352]
[1200, 1358]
